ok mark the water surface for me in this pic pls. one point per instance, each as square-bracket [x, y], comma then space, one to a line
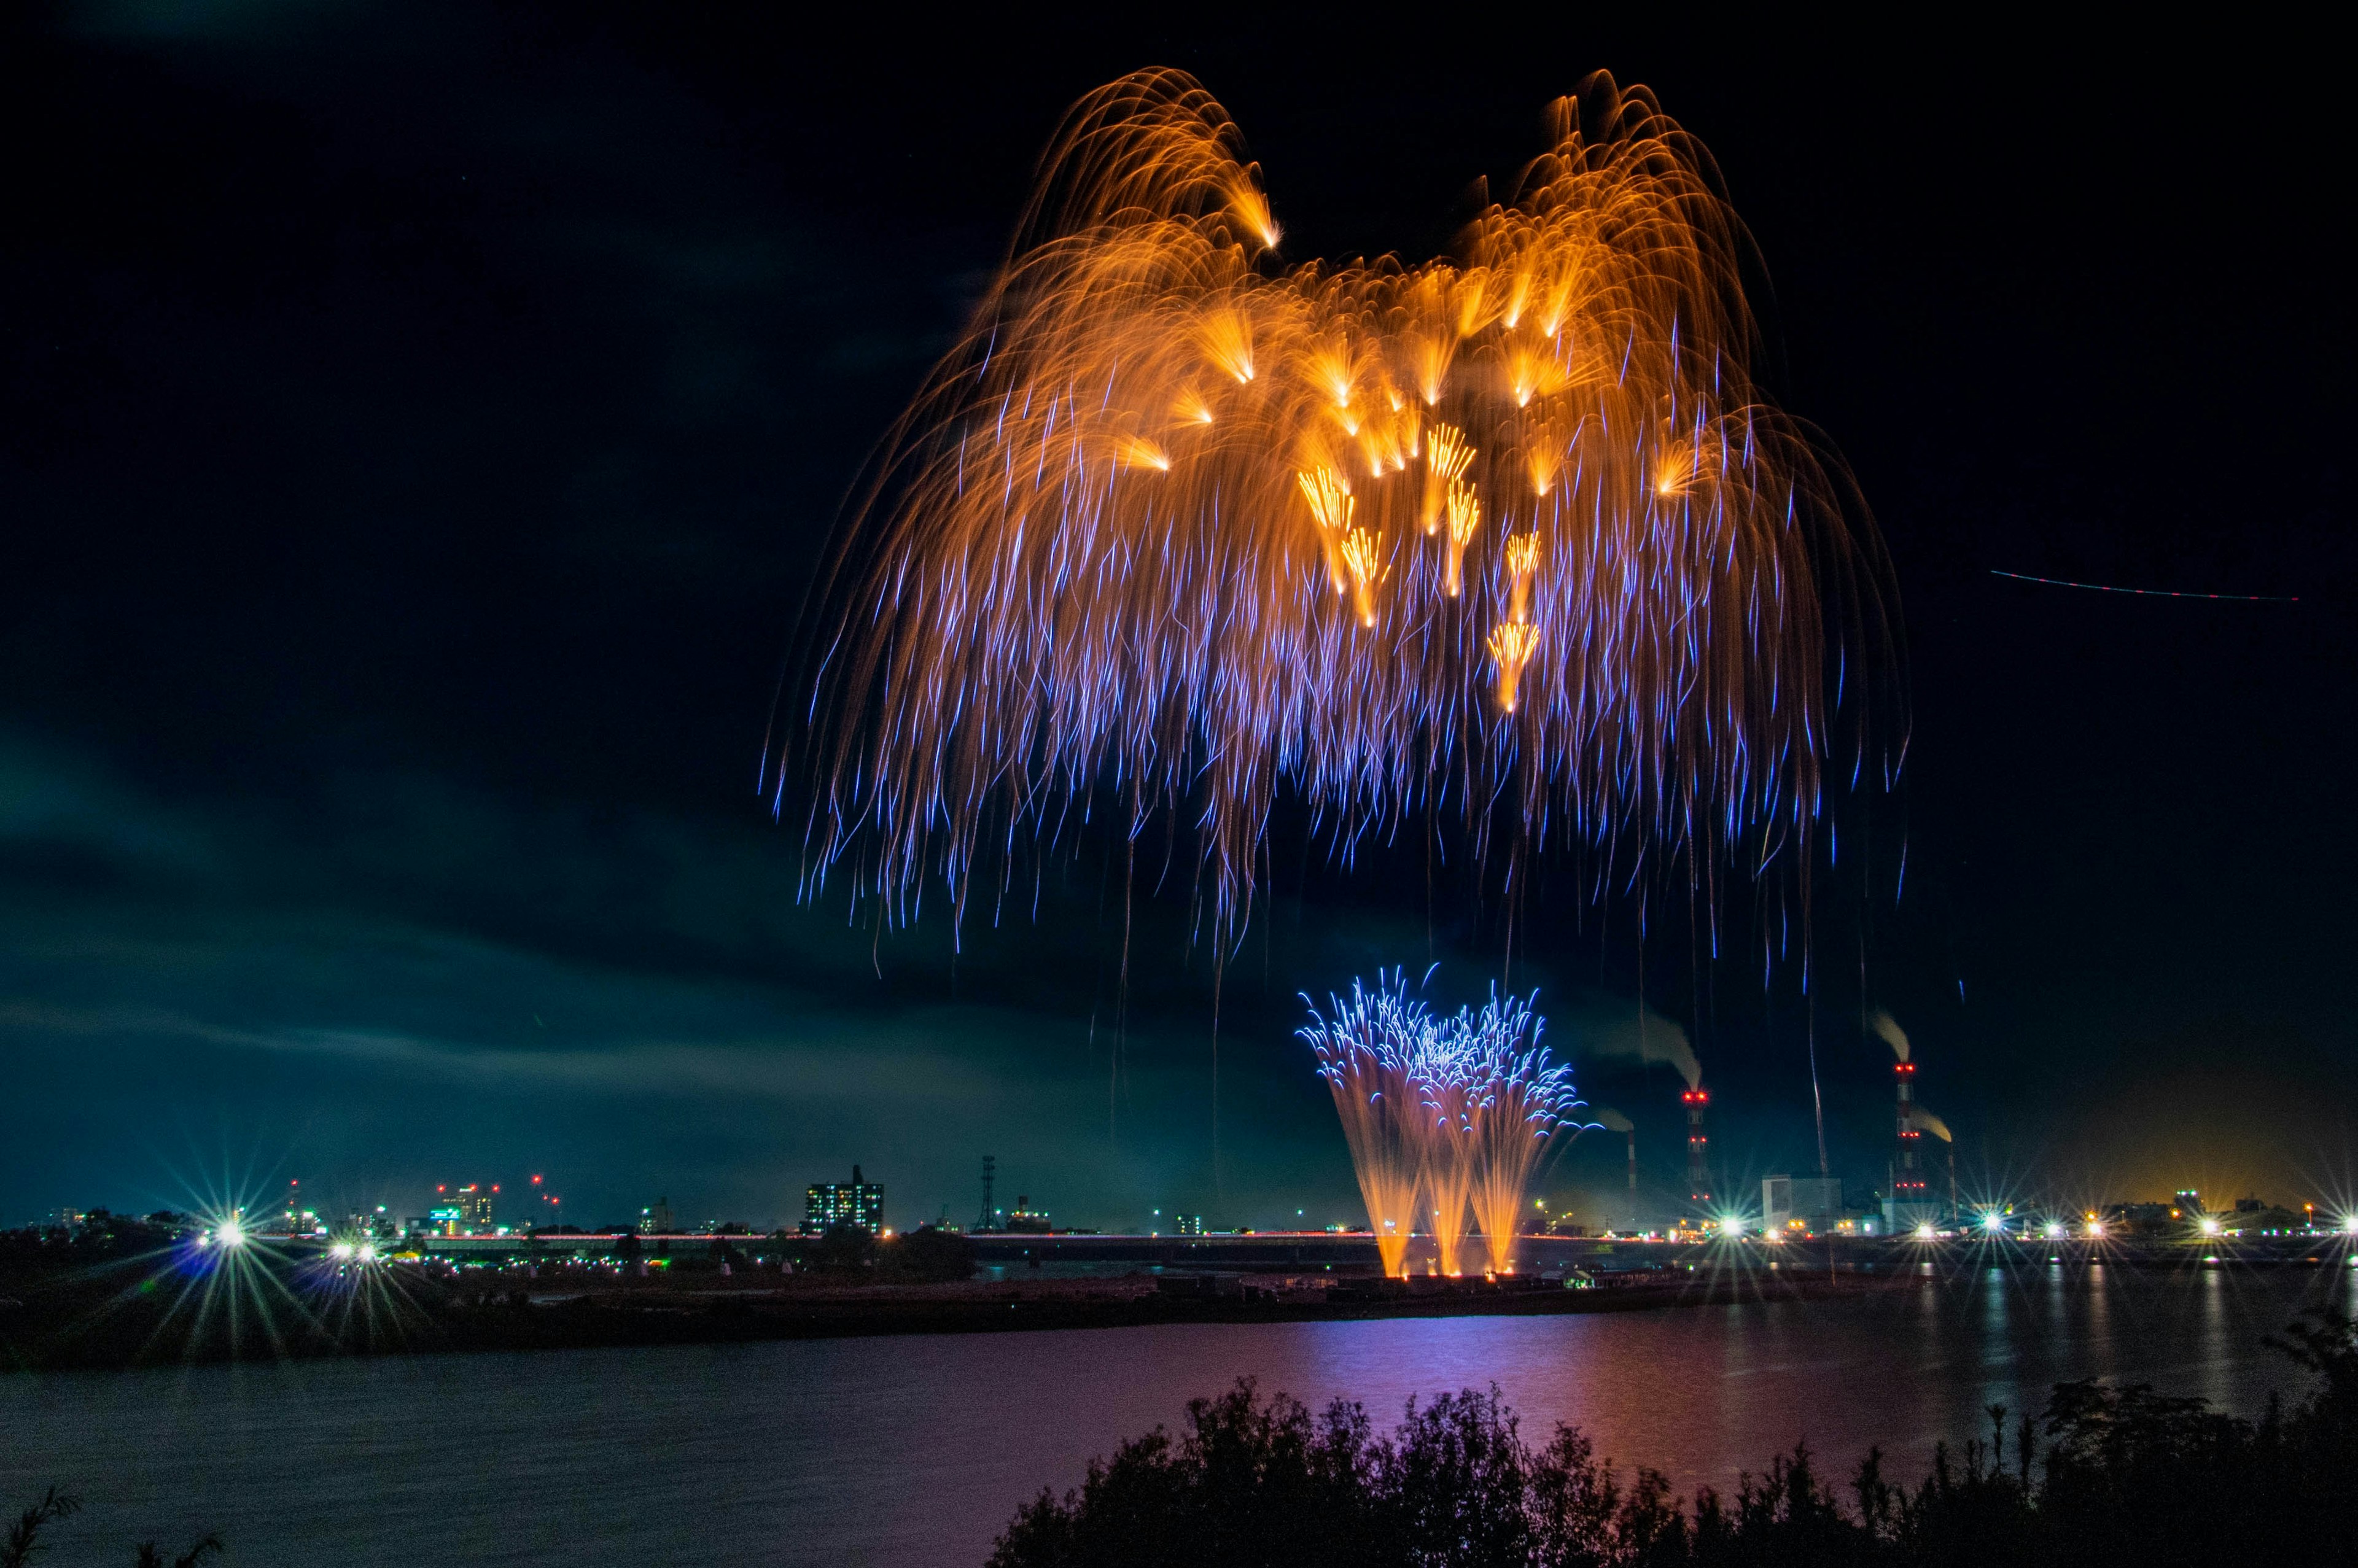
[915, 1450]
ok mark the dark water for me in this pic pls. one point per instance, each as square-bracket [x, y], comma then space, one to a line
[916, 1450]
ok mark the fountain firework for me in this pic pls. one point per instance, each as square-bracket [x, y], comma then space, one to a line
[1518, 1101]
[1508, 537]
[1363, 1051]
[1456, 1109]
[1442, 1080]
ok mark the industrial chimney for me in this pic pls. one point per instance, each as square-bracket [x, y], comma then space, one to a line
[1907, 1169]
[1698, 1146]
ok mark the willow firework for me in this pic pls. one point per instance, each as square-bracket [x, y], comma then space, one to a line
[1452, 1110]
[1508, 537]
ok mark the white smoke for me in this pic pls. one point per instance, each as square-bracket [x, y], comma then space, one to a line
[1610, 1119]
[1883, 1023]
[1639, 1034]
[1925, 1122]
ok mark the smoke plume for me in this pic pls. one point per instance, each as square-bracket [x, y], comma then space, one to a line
[1610, 1119]
[1883, 1023]
[1925, 1122]
[1640, 1035]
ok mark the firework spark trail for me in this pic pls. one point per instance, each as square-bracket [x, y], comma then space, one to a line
[1363, 1050]
[1443, 1082]
[1457, 1110]
[1176, 519]
[1518, 1101]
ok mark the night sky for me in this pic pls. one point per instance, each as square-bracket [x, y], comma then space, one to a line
[421, 426]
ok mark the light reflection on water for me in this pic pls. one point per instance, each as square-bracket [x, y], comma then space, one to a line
[916, 1450]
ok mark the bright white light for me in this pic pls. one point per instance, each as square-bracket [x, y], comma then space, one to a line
[2210, 1226]
[342, 1251]
[230, 1233]
[1732, 1224]
[2055, 1230]
[368, 1252]
[1924, 1231]
[2350, 1225]
[2095, 1228]
[1993, 1223]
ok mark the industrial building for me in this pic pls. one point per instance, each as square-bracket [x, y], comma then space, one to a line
[1814, 1203]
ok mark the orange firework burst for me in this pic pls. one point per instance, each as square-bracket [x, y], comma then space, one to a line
[1181, 523]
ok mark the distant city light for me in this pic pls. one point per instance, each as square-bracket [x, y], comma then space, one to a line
[368, 1252]
[1994, 1222]
[1924, 1232]
[2095, 1228]
[343, 1251]
[1732, 1224]
[2054, 1230]
[2350, 1225]
[230, 1233]
[2210, 1225]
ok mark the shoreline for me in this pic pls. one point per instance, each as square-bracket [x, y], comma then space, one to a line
[85, 1335]
[123, 1317]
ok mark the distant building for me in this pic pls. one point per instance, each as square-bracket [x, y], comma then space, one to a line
[378, 1225]
[856, 1202]
[1028, 1219]
[463, 1211]
[291, 1218]
[1800, 1203]
[1191, 1224]
[656, 1219]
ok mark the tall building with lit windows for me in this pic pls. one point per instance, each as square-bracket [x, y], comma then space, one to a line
[856, 1202]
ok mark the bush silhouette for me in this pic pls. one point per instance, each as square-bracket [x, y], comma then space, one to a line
[2125, 1476]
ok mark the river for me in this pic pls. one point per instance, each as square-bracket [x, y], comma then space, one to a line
[915, 1450]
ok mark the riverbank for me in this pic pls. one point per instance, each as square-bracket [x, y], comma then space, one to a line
[95, 1322]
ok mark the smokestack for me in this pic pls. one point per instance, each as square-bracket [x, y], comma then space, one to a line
[1613, 1121]
[1907, 1172]
[1924, 1121]
[1698, 1146]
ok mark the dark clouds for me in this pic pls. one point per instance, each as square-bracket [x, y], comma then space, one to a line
[419, 428]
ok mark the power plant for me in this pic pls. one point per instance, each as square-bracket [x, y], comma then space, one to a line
[1809, 1205]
